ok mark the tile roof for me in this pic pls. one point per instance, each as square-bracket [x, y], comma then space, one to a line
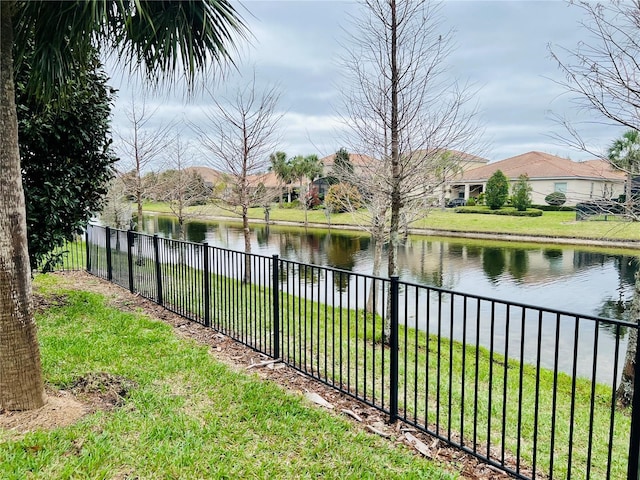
[208, 174]
[538, 165]
[357, 160]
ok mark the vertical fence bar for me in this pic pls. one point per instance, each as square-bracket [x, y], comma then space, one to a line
[130, 259]
[87, 248]
[275, 298]
[108, 248]
[633, 472]
[156, 253]
[393, 341]
[207, 284]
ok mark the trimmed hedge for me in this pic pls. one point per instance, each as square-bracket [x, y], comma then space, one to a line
[530, 212]
[554, 208]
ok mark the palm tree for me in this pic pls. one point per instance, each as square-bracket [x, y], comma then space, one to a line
[282, 168]
[161, 38]
[624, 155]
[308, 168]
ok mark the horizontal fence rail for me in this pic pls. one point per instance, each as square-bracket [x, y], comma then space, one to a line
[529, 390]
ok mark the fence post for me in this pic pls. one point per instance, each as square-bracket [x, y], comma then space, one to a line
[633, 472]
[207, 285]
[88, 249]
[108, 247]
[130, 259]
[156, 253]
[394, 295]
[275, 295]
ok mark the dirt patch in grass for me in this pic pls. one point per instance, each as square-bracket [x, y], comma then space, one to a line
[60, 410]
[91, 393]
[96, 391]
[102, 391]
[43, 302]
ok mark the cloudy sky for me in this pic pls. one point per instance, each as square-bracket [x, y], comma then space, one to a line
[500, 46]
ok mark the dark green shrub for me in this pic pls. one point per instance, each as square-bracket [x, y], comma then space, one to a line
[521, 199]
[292, 204]
[532, 212]
[471, 202]
[497, 192]
[556, 199]
[554, 208]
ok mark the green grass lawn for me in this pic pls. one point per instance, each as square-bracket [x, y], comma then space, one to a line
[343, 347]
[188, 416]
[550, 224]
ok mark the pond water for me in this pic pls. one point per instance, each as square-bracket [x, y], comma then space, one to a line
[590, 282]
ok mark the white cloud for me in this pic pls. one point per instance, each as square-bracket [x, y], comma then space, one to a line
[502, 48]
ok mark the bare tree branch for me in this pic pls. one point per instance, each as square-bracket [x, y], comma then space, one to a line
[403, 110]
[238, 136]
[140, 148]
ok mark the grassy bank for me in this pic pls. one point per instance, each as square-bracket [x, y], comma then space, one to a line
[187, 415]
[459, 388]
[550, 224]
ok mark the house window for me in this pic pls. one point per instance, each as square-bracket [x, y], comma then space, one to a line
[560, 187]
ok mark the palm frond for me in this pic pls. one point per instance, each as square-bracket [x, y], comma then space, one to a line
[161, 39]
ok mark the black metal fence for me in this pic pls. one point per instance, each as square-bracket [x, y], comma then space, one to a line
[529, 390]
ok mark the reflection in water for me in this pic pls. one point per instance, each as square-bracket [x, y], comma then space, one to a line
[562, 278]
[196, 231]
[493, 262]
[617, 309]
[341, 250]
[518, 263]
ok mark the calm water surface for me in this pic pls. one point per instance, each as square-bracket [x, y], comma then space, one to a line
[553, 276]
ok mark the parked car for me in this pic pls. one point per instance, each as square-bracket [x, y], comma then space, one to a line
[456, 202]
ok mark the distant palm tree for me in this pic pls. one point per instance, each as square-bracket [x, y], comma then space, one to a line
[308, 168]
[282, 168]
[624, 155]
[161, 38]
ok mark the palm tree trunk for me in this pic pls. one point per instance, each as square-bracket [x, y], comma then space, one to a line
[21, 385]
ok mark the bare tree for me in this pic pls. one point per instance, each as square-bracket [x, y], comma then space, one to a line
[142, 146]
[239, 134]
[402, 109]
[117, 209]
[601, 75]
[180, 186]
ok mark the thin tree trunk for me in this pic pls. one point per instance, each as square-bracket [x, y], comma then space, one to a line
[377, 263]
[395, 162]
[139, 223]
[21, 385]
[247, 244]
[628, 196]
[624, 393]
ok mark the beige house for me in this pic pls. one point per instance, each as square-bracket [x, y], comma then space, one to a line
[579, 181]
[437, 185]
[358, 161]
